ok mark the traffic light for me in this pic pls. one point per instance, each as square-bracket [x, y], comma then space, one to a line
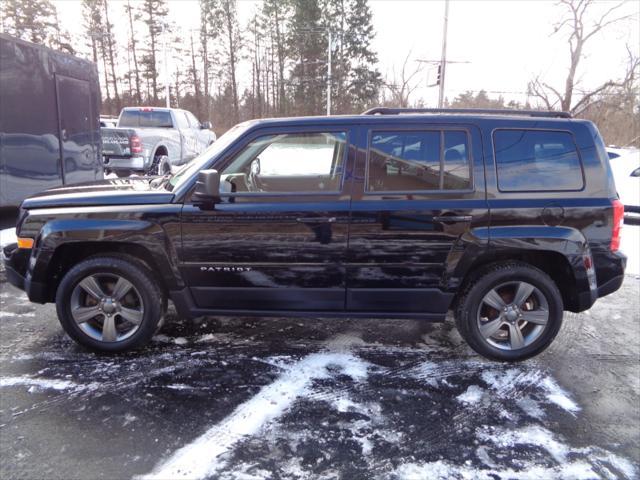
[439, 74]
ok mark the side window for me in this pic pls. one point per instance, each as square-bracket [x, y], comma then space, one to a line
[289, 162]
[192, 120]
[418, 161]
[536, 160]
[181, 119]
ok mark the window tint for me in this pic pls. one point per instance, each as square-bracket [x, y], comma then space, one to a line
[413, 161]
[536, 160]
[295, 162]
[145, 118]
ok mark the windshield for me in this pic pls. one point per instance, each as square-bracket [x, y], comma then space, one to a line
[205, 157]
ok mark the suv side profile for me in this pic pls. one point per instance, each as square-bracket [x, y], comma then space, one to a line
[507, 218]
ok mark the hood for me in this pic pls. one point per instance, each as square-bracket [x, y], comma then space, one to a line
[117, 191]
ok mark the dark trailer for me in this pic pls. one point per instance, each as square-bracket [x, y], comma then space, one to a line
[49, 120]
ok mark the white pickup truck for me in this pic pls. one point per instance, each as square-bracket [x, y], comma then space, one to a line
[149, 140]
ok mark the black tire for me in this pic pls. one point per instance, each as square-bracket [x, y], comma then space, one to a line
[470, 302]
[153, 303]
[160, 166]
[122, 173]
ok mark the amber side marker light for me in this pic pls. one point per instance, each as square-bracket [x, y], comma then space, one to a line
[25, 242]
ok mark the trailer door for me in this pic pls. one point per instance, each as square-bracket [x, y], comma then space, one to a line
[79, 137]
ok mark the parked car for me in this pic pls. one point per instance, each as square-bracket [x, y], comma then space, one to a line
[507, 218]
[49, 130]
[625, 164]
[149, 140]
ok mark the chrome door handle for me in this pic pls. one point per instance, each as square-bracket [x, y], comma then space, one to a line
[316, 219]
[452, 218]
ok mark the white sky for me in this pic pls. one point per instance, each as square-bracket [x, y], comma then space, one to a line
[506, 42]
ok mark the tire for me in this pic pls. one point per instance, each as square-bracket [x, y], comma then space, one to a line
[160, 166]
[490, 323]
[122, 173]
[127, 316]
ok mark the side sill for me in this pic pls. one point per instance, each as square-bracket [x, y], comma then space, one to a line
[183, 301]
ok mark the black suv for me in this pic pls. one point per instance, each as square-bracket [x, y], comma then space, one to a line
[508, 218]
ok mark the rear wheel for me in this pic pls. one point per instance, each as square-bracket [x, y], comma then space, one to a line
[109, 304]
[512, 311]
[160, 166]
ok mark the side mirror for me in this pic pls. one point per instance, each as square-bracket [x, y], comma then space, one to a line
[205, 126]
[207, 190]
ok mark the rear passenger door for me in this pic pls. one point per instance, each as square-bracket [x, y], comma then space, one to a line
[418, 196]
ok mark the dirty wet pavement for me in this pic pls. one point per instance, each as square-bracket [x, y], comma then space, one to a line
[247, 398]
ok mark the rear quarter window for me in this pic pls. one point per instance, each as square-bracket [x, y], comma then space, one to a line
[537, 161]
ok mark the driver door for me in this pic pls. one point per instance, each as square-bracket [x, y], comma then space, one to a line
[278, 239]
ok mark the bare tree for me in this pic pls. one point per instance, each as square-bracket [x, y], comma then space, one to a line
[403, 86]
[581, 31]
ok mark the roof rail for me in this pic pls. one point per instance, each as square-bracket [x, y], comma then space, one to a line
[478, 111]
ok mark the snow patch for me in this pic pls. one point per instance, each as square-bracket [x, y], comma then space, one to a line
[441, 470]
[557, 395]
[201, 458]
[472, 395]
[39, 383]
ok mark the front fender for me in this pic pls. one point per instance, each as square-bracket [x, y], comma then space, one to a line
[106, 235]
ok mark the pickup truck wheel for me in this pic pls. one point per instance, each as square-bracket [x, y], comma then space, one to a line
[160, 166]
[109, 304]
[510, 312]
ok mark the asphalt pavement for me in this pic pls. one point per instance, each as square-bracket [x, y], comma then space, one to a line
[261, 398]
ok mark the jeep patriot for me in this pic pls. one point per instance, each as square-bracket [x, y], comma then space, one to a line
[505, 218]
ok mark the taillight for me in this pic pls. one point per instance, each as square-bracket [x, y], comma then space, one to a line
[135, 143]
[618, 218]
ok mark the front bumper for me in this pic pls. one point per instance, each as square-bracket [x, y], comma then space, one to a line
[14, 261]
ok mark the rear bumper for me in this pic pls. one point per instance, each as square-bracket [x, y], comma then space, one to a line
[610, 272]
[125, 163]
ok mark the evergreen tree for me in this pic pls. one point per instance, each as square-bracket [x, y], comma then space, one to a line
[153, 14]
[274, 18]
[364, 78]
[131, 15]
[307, 41]
[32, 20]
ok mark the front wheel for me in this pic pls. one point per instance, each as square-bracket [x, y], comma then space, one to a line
[510, 312]
[109, 303]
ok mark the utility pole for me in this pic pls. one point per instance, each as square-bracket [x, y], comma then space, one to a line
[329, 74]
[443, 60]
[166, 67]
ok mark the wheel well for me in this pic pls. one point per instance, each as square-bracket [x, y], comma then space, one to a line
[161, 150]
[68, 255]
[553, 264]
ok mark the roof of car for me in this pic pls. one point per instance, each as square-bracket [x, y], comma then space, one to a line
[415, 118]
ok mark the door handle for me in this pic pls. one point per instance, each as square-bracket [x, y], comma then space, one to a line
[452, 218]
[316, 219]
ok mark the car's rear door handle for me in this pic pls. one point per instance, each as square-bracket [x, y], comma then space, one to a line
[452, 218]
[316, 219]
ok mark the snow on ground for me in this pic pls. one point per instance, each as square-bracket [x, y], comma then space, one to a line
[201, 458]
